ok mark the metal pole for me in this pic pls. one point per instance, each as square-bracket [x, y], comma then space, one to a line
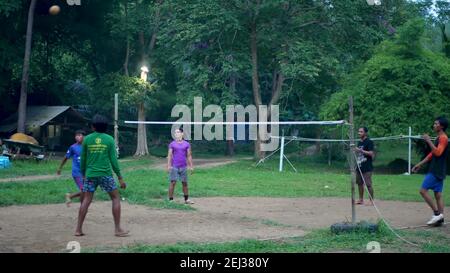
[281, 153]
[329, 154]
[352, 158]
[116, 124]
[409, 150]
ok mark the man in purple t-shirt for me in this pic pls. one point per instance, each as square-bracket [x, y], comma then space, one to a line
[178, 159]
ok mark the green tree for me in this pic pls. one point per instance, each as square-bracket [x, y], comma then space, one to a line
[26, 70]
[268, 52]
[403, 84]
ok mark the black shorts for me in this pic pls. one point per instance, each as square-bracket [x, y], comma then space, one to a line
[367, 178]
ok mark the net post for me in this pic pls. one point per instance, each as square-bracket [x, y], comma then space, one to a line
[281, 153]
[352, 159]
[116, 124]
[409, 150]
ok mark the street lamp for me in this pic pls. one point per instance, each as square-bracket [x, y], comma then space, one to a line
[144, 72]
[374, 2]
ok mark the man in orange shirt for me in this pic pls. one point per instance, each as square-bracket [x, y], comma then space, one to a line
[434, 180]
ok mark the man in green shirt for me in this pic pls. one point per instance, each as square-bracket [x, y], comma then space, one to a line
[97, 157]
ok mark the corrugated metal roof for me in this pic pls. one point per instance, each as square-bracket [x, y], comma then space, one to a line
[36, 116]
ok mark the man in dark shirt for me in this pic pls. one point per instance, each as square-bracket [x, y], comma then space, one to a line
[434, 180]
[365, 154]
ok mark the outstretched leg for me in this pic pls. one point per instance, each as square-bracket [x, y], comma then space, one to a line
[439, 201]
[115, 198]
[172, 189]
[185, 189]
[428, 199]
[87, 199]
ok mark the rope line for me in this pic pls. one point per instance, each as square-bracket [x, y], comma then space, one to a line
[376, 207]
[347, 140]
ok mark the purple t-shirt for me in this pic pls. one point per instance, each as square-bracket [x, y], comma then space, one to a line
[179, 151]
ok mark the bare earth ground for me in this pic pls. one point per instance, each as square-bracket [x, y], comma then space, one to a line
[48, 228]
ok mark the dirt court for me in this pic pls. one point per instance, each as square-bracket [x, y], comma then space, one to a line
[48, 228]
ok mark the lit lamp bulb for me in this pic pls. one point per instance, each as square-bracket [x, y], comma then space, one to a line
[144, 72]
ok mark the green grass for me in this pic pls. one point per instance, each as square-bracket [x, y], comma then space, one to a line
[238, 179]
[386, 152]
[52, 192]
[205, 149]
[390, 150]
[27, 167]
[322, 240]
[149, 187]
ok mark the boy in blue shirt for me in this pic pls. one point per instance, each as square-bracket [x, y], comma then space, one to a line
[74, 152]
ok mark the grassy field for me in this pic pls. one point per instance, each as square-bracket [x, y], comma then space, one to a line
[206, 149]
[322, 240]
[149, 187]
[238, 179]
[27, 167]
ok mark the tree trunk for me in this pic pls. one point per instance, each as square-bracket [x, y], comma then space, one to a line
[229, 151]
[278, 87]
[127, 54]
[127, 59]
[255, 83]
[143, 51]
[230, 148]
[152, 43]
[141, 149]
[445, 41]
[318, 134]
[22, 111]
[255, 79]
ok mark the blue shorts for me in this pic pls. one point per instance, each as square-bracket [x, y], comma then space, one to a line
[176, 174]
[431, 182]
[106, 183]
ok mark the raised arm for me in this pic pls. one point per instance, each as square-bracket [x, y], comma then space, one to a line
[369, 150]
[437, 151]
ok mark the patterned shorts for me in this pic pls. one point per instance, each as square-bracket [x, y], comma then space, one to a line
[178, 174]
[79, 182]
[106, 183]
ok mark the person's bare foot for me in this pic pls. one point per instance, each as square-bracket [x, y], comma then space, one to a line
[359, 202]
[68, 199]
[79, 233]
[122, 233]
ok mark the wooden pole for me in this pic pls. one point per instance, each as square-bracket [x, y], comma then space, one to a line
[116, 122]
[352, 158]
